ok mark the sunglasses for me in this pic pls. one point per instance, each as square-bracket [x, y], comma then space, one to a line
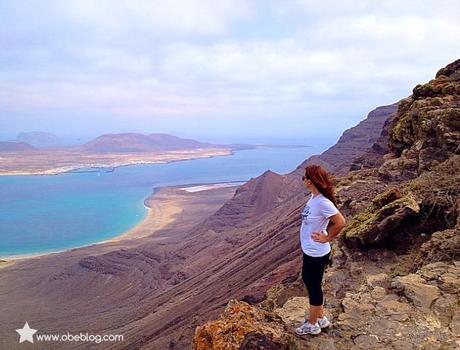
[304, 178]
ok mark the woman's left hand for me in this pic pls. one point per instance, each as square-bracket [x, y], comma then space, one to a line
[319, 237]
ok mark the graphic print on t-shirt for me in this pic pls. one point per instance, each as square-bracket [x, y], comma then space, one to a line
[305, 213]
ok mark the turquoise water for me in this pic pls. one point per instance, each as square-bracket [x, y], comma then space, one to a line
[48, 213]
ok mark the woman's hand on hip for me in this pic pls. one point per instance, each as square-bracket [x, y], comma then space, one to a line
[319, 237]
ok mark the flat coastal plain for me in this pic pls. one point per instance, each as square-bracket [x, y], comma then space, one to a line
[55, 161]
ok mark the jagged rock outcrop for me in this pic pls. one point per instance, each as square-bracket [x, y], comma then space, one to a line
[387, 214]
[425, 131]
[243, 326]
[419, 207]
[442, 246]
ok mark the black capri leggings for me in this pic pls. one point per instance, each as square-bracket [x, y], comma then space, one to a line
[312, 275]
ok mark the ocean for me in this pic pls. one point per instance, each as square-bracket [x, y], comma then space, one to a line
[45, 213]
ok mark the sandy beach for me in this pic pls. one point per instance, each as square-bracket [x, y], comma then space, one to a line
[164, 206]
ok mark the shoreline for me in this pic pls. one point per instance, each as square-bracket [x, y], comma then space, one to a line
[160, 213]
[118, 164]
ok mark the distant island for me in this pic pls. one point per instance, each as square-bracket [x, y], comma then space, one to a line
[109, 150]
[134, 142]
[105, 151]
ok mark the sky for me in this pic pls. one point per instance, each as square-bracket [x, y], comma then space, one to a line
[288, 72]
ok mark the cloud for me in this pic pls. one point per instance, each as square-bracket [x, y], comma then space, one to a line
[248, 62]
[276, 60]
[106, 17]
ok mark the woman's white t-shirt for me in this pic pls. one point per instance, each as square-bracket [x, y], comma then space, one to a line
[315, 218]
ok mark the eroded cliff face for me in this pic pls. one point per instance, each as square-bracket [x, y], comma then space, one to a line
[395, 278]
[354, 140]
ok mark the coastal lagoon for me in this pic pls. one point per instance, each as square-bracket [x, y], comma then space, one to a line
[45, 213]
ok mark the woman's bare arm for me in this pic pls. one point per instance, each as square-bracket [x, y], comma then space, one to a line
[338, 223]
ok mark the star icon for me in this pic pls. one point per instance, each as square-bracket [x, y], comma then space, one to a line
[26, 333]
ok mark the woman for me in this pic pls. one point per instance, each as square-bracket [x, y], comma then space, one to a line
[319, 210]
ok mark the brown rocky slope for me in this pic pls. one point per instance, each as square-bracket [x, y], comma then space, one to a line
[394, 282]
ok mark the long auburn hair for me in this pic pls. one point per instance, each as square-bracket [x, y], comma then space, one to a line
[323, 181]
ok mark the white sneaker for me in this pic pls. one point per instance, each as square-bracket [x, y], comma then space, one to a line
[324, 322]
[308, 328]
